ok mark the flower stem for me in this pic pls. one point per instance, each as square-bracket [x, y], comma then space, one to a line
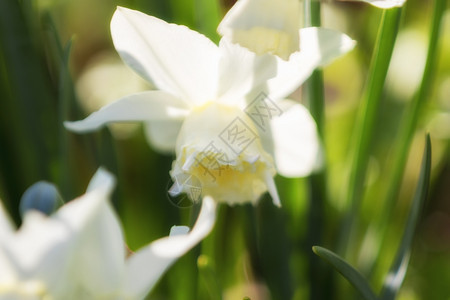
[314, 91]
[365, 123]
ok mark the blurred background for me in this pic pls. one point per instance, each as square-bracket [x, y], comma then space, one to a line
[57, 63]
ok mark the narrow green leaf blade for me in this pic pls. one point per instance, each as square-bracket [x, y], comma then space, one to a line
[363, 135]
[351, 274]
[397, 273]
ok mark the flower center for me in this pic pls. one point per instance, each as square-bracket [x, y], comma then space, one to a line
[219, 153]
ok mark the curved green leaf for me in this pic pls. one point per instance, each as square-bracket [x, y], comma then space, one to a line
[397, 273]
[346, 270]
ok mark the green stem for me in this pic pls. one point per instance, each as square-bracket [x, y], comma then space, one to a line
[314, 91]
[365, 123]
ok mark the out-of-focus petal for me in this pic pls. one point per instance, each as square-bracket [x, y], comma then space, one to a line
[173, 57]
[6, 225]
[385, 4]
[272, 189]
[327, 44]
[148, 264]
[318, 47]
[146, 106]
[101, 259]
[293, 140]
[6, 231]
[43, 247]
[264, 26]
[162, 135]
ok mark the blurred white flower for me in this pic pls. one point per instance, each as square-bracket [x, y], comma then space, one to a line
[104, 80]
[214, 105]
[274, 26]
[79, 252]
[36, 260]
[264, 26]
[385, 4]
[404, 77]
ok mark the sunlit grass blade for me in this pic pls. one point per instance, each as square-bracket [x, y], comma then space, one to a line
[314, 93]
[345, 269]
[367, 117]
[397, 273]
[58, 64]
[27, 110]
[409, 124]
[406, 133]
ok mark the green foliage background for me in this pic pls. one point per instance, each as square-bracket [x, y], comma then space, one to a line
[262, 252]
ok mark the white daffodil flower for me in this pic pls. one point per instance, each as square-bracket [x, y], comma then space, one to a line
[385, 4]
[79, 252]
[216, 106]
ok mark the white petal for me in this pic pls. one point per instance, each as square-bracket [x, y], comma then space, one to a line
[162, 135]
[101, 257]
[318, 47]
[6, 225]
[174, 58]
[246, 14]
[41, 250]
[146, 106]
[177, 230]
[252, 23]
[7, 273]
[146, 266]
[44, 247]
[386, 3]
[327, 44]
[6, 232]
[293, 141]
[102, 180]
[272, 189]
[254, 70]
[383, 3]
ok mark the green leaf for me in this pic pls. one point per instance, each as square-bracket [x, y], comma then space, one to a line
[346, 270]
[28, 114]
[397, 273]
[416, 107]
[367, 118]
[412, 116]
[317, 196]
